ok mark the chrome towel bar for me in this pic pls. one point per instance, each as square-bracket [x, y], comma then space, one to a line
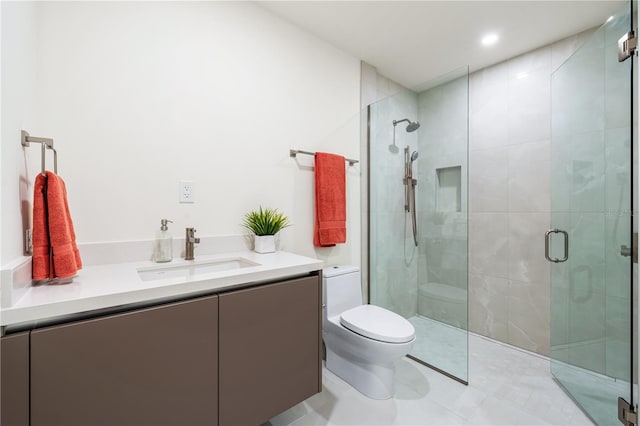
[294, 152]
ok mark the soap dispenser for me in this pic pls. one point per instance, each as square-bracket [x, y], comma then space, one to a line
[164, 243]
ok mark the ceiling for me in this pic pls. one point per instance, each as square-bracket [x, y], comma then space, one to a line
[413, 42]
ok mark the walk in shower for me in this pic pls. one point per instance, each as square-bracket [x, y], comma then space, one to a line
[418, 216]
[552, 151]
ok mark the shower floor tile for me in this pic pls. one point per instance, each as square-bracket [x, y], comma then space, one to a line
[444, 348]
[507, 386]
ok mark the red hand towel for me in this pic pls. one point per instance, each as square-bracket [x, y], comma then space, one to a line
[331, 200]
[40, 235]
[62, 236]
[55, 254]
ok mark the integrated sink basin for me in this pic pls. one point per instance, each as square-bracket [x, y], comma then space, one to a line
[193, 269]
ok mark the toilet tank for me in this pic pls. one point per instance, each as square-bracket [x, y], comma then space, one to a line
[341, 288]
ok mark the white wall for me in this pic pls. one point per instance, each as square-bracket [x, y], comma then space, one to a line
[18, 97]
[140, 95]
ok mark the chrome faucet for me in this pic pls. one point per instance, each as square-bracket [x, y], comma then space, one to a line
[190, 243]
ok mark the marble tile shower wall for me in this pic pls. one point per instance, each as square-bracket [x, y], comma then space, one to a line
[509, 204]
[442, 165]
[393, 276]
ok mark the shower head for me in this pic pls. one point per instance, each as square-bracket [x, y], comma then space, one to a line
[411, 127]
[414, 155]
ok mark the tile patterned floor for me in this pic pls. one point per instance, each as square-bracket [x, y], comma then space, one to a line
[506, 387]
[445, 348]
[601, 405]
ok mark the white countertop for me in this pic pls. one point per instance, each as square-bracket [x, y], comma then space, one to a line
[109, 286]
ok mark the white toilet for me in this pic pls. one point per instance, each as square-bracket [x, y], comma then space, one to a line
[362, 341]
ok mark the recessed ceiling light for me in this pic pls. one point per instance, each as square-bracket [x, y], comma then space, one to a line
[489, 39]
[609, 19]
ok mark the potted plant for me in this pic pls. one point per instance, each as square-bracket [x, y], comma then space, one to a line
[265, 224]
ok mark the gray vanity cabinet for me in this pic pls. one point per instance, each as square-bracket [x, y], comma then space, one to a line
[154, 366]
[14, 380]
[270, 349]
[239, 357]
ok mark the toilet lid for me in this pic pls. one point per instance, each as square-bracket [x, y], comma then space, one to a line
[378, 323]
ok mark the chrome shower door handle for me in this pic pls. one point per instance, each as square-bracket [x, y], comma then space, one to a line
[547, 238]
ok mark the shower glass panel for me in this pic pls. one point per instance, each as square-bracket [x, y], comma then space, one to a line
[591, 303]
[425, 283]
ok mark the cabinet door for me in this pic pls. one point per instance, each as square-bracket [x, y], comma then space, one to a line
[269, 350]
[155, 366]
[14, 380]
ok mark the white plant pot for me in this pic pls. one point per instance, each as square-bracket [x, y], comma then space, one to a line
[264, 243]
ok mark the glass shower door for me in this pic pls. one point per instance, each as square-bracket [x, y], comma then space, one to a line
[422, 276]
[591, 224]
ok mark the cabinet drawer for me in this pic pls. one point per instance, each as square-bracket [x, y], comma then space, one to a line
[155, 366]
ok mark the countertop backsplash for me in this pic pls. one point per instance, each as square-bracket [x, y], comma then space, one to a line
[103, 253]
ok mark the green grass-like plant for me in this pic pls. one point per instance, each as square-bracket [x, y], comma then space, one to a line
[265, 221]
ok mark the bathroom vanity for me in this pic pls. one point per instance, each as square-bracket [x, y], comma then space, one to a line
[233, 354]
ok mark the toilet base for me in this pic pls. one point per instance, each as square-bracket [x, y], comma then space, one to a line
[373, 380]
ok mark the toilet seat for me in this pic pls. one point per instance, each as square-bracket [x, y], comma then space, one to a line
[378, 323]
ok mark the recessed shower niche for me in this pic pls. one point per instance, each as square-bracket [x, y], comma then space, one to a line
[449, 189]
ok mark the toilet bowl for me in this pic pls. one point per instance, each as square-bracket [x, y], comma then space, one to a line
[362, 341]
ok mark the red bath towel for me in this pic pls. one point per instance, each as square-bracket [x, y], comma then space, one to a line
[59, 258]
[331, 200]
